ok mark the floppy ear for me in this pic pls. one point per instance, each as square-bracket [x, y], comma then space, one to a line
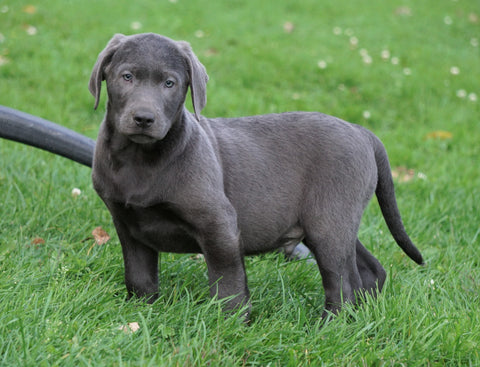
[95, 84]
[198, 78]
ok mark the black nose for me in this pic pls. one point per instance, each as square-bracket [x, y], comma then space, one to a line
[144, 118]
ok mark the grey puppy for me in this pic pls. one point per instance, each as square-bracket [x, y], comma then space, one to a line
[174, 181]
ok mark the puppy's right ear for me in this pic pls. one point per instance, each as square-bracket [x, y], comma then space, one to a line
[95, 84]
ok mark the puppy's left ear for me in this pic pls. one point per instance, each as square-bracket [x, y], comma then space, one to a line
[104, 58]
[198, 78]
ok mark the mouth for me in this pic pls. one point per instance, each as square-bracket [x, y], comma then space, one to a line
[142, 139]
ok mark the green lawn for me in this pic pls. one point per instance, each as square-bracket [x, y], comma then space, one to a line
[407, 70]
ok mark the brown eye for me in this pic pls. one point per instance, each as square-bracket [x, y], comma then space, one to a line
[169, 83]
[127, 77]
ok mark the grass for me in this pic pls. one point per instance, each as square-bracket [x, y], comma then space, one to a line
[62, 299]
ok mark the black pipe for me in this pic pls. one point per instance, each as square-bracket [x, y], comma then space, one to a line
[35, 131]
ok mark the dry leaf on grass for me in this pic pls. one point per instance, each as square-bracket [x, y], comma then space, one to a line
[131, 327]
[29, 9]
[439, 134]
[101, 237]
[473, 18]
[403, 11]
[288, 27]
[3, 60]
[403, 174]
[38, 241]
[210, 52]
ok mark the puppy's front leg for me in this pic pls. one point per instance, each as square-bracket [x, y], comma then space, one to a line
[228, 279]
[141, 268]
[226, 270]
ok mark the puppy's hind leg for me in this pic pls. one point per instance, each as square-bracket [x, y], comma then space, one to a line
[340, 277]
[371, 271]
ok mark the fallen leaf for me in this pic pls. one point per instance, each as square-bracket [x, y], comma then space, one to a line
[38, 241]
[210, 52]
[29, 9]
[439, 134]
[134, 326]
[288, 27]
[473, 18]
[403, 174]
[3, 60]
[197, 257]
[403, 10]
[131, 327]
[101, 237]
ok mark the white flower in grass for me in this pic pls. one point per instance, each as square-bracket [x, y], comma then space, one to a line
[422, 176]
[76, 192]
[136, 26]
[31, 30]
[366, 115]
[407, 71]
[363, 52]
[461, 93]
[474, 42]
[354, 41]
[337, 31]
[199, 34]
[472, 97]
[385, 54]
[367, 59]
[448, 20]
[395, 60]
[454, 70]
[322, 64]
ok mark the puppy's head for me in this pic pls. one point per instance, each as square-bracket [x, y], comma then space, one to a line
[147, 78]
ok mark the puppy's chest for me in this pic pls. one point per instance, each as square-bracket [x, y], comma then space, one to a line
[160, 226]
[131, 185]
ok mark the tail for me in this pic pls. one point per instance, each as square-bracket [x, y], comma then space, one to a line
[388, 204]
[43, 134]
